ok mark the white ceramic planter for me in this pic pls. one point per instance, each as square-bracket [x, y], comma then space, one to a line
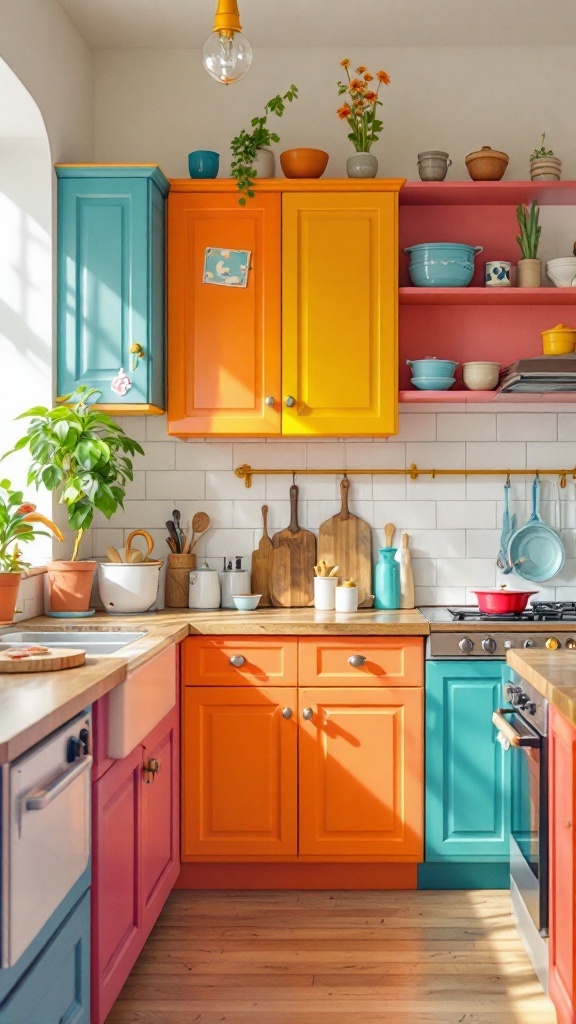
[265, 163]
[362, 165]
[546, 168]
[128, 588]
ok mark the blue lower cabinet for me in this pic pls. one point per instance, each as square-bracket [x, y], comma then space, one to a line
[467, 824]
[56, 988]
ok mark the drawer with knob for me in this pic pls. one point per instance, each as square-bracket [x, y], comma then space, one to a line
[239, 661]
[361, 661]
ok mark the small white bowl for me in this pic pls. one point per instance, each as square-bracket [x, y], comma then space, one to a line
[246, 602]
[562, 272]
[480, 376]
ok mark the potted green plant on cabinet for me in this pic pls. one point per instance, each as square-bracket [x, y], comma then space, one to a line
[17, 522]
[544, 166]
[81, 454]
[250, 156]
[529, 267]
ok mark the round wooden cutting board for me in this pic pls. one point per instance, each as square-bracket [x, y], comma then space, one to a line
[53, 661]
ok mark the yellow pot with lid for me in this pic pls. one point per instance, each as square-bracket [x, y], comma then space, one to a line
[559, 341]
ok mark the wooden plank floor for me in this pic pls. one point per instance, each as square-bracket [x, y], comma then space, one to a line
[334, 958]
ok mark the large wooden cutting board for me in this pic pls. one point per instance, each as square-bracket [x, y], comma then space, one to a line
[293, 561]
[262, 564]
[56, 659]
[346, 541]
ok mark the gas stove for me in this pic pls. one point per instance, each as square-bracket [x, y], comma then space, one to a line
[457, 632]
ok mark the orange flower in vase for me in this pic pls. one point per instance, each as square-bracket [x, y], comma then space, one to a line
[359, 109]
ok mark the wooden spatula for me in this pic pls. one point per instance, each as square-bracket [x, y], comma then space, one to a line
[389, 531]
[292, 564]
[346, 541]
[261, 565]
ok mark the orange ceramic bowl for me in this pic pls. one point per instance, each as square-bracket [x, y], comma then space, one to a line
[304, 163]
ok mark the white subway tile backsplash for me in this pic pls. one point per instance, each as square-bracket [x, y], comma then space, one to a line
[439, 455]
[482, 543]
[469, 572]
[325, 455]
[451, 596]
[406, 515]
[508, 454]
[222, 486]
[473, 515]
[230, 543]
[375, 455]
[204, 456]
[270, 454]
[561, 455]
[466, 426]
[173, 482]
[566, 426]
[161, 455]
[438, 544]
[527, 427]
[157, 429]
[415, 427]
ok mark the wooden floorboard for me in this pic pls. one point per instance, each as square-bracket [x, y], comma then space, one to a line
[334, 958]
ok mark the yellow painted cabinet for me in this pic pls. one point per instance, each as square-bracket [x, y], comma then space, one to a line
[337, 285]
[339, 314]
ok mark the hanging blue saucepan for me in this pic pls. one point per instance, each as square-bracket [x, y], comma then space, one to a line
[536, 550]
[508, 528]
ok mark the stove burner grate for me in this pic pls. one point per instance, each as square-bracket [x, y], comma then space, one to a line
[539, 611]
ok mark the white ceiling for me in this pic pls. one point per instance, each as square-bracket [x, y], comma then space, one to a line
[119, 24]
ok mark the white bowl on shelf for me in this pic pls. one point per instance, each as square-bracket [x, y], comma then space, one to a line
[562, 271]
[246, 602]
[480, 376]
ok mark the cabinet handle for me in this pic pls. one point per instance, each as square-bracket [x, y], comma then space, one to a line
[307, 714]
[357, 660]
[151, 767]
[136, 352]
[237, 660]
[290, 401]
[286, 712]
[270, 401]
[567, 823]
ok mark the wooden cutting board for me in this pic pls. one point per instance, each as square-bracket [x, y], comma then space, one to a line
[292, 563]
[55, 660]
[262, 564]
[346, 541]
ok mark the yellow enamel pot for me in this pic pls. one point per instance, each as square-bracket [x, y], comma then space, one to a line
[559, 341]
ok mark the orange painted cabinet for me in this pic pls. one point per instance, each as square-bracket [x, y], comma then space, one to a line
[562, 775]
[309, 346]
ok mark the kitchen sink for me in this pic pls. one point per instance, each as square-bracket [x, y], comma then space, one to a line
[92, 641]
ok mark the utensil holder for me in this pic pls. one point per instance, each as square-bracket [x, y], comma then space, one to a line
[324, 592]
[179, 566]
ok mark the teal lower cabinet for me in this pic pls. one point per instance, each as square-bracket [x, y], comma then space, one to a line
[467, 817]
[56, 988]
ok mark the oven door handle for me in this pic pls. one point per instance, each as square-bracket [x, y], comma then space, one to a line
[40, 799]
[513, 737]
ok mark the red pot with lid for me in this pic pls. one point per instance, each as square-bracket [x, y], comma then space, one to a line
[503, 602]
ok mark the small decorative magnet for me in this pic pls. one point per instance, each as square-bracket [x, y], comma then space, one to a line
[228, 267]
[121, 383]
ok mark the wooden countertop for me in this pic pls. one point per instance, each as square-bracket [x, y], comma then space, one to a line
[552, 673]
[32, 705]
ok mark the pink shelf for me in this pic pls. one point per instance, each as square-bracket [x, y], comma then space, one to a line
[416, 397]
[487, 193]
[487, 296]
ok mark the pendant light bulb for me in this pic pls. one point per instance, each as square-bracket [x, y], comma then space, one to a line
[227, 54]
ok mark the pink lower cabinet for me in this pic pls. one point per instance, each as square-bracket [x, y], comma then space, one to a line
[135, 855]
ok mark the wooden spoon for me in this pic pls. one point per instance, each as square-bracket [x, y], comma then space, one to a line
[200, 523]
[389, 531]
[113, 555]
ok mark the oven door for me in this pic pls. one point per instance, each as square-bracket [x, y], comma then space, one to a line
[529, 813]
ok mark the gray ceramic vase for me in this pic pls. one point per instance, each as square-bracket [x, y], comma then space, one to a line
[362, 165]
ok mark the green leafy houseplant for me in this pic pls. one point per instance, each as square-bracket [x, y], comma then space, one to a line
[530, 232]
[81, 453]
[246, 145]
[542, 152]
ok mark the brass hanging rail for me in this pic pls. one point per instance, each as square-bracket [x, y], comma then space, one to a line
[246, 472]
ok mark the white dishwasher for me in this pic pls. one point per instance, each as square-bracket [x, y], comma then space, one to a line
[45, 832]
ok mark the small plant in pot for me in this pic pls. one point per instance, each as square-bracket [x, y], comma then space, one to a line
[81, 454]
[17, 527]
[529, 267]
[544, 166]
[250, 156]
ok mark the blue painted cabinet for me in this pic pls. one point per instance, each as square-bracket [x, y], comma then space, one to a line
[56, 988]
[467, 771]
[111, 271]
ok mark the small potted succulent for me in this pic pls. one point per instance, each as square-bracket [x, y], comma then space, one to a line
[17, 521]
[544, 166]
[85, 457]
[250, 156]
[529, 267]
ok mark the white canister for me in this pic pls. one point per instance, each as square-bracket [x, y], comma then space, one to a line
[324, 590]
[204, 588]
[234, 581]
[347, 598]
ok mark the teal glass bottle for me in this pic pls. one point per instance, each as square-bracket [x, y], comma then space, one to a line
[387, 579]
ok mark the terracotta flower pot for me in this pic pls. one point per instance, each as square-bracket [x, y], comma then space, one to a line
[9, 583]
[70, 585]
[303, 163]
[486, 164]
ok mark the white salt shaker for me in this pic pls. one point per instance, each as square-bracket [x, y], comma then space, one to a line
[324, 590]
[346, 597]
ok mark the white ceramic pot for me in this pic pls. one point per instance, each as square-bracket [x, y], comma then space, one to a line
[127, 588]
[265, 163]
[433, 165]
[480, 376]
[204, 588]
[362, 165]
[346, 599]
[562, 271]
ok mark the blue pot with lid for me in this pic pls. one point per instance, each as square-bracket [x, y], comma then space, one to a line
[442, 264]
[432, 367]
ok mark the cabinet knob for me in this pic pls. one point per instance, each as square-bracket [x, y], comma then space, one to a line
[552, 643]
[270, 401]
[237, 660]
[151, 767]
[567, 823]
[489, 645]
[357, 660]
[307, 714]
[290, 401]
[286, 712]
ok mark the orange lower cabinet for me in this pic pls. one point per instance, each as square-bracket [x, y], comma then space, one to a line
[239, 764]
[361, 772]
[562, 775]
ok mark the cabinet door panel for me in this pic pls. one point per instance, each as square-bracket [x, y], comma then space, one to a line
[224, 342]
[339, 313]
[361, 772]
[467, 771]
[562, 776]
[267, 660]
[160, 819]
[239, 771]
[390, 661]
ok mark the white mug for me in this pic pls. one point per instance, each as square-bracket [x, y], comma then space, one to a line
[324, 589]
[497, 274]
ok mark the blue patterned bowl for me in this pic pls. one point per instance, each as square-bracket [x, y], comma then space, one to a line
[442, 264]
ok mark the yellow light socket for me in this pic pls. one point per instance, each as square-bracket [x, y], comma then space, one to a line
[227, 17]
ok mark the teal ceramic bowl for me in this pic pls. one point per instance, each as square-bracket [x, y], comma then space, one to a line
[246, 602]
[433, 383]
[432, 367]
[442, 264]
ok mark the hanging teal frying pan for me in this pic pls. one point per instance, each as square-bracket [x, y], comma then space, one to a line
[536, 550]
